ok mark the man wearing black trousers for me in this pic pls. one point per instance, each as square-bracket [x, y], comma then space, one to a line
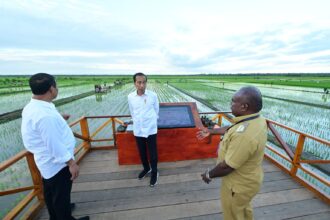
[46, 134]
[144, 108]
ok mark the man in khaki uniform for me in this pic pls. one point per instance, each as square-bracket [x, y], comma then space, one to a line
[240, 155]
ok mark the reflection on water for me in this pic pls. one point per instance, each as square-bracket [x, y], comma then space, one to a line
[326, 97]
[99, 96]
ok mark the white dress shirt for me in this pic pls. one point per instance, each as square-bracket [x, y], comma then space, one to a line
[47, 135]
[144, 110]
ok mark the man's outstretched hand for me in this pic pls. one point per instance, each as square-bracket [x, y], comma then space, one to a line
[202, 133]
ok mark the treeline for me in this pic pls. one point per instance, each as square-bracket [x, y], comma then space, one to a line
[270, 74]
[14, 83]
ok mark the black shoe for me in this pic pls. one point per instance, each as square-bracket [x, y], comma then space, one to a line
[73, 206]
[84, 218]
[143, 174]
[154, 179]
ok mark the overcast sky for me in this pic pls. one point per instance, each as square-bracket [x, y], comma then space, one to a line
[164, 36]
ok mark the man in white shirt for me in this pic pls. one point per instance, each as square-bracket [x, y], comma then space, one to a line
[144, 108]
[46, 134]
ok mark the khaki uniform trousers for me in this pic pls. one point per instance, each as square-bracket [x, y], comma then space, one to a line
[236, 206]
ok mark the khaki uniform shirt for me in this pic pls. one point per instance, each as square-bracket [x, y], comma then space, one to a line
[242, 148]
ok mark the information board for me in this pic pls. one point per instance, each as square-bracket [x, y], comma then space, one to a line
[175, 116]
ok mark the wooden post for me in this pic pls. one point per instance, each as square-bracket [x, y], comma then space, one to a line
[114, 131]
[36, 177]
[220, 119]
[85, 133]
[297, 155]
[280, 140]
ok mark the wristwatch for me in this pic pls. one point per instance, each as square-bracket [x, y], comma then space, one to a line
[207, 174]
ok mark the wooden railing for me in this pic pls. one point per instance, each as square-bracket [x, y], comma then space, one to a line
[35, 190]
[297, 161]
[34, 199]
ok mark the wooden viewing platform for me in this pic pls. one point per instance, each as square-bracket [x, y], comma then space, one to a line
[105, 190]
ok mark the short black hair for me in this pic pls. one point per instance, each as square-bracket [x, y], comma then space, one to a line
[40, 83]
[139, 74]
[253, 97]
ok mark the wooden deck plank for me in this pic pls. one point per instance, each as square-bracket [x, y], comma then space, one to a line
[133, 171]
[176, 188]
[174, 199]
[107, 166]
[305, 209]
[134, 182]
[105, 190]
[318, 216]
[178, 205]
[116, 193]
[108, 162]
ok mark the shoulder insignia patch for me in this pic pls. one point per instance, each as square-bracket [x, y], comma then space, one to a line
[242, 128]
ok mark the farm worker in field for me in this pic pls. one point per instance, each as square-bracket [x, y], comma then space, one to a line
[240, 155]
[48, 137]
[144, 107]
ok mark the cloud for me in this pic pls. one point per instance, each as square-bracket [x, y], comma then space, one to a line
[185, 62]
[321, 58]
[22, 54]
[163, 36]
[244, 48]
[315, 41]
[34, 31]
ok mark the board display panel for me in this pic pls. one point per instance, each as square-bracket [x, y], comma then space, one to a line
[175, 116]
